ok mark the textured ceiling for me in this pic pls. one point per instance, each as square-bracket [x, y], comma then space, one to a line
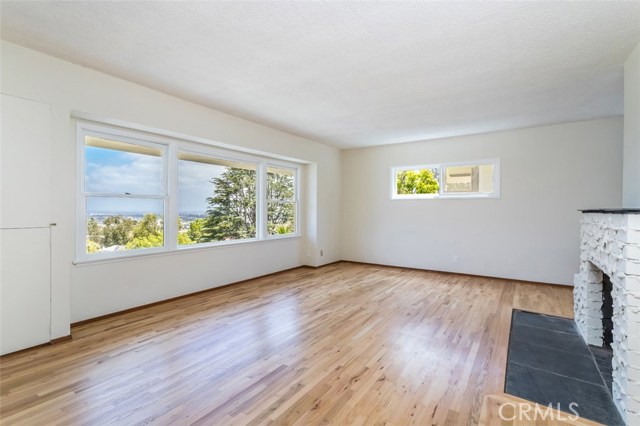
[354, 73]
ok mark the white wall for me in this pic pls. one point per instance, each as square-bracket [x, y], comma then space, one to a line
[631, 180]
[530, 233]
[80, 292]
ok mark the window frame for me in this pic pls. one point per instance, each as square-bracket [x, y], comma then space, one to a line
[84, 130]
[441, 167]
[171, 148]
[295, 200]
[221, 155]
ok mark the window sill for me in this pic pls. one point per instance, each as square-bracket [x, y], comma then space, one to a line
[445, 197]
[180, 250]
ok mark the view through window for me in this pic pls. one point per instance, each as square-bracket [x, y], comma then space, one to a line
[124, 188]
[216, 199]
[135, 192]
[281, 201]
[418, 181]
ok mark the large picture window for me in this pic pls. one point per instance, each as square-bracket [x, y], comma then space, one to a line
[479, 179]
[141, 194]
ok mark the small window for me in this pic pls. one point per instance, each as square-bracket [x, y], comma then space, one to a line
[452, 180]
[124, 195]
[216, 199]
[281, 201]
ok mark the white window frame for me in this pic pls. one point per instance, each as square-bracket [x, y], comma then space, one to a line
[221, 155]
[171, 148]
[117, 135]
[296, 198]
[441, 168]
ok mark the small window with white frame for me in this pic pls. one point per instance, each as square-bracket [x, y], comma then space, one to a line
[474, 179]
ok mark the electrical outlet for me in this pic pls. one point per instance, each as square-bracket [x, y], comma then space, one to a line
[308, 252]
[321, 253]
[456, 260]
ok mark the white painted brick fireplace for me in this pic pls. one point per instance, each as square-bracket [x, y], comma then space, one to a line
[610, 244]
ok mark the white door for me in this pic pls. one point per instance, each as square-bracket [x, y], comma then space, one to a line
[25, 214]
[25, 291]
[25, 163]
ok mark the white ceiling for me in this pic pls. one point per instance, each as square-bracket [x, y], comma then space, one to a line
[354, 73]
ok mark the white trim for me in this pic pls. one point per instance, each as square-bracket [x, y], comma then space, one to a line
[441, 169]
[124, 135]
[219, 153]
[177, 136]
[171, 202]
[120, 195]
[261, 202]
[144, 253]
[81, 201]
[298, 216]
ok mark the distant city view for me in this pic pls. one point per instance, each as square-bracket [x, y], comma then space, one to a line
[216, 198]
[126, 230]
[101, 216]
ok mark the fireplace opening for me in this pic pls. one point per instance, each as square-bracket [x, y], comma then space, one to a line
[604, 355]
[607, 312]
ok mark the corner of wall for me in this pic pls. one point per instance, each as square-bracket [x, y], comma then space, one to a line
[631, 156]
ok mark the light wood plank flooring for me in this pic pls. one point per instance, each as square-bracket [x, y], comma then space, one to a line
[346, 344]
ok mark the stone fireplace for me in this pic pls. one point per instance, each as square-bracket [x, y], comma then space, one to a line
[610, 256]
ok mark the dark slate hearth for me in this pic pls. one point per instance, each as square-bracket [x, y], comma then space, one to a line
[546, 322]
[570, 342]
[612, 211]
[604, 357]
[555, 361]
[549, 363]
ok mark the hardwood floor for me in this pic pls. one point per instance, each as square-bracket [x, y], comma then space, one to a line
[346, 344]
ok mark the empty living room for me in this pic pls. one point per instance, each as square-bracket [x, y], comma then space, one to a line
[320, 213]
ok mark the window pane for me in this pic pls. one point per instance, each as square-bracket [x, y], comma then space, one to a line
[281, 206]
[116, 224]
[216, 199]
[419, 181]
[469, 179]
[281, 218]
[120, 168]
[280, 184]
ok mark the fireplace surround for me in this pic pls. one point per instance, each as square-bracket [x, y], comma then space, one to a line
[610, 244]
